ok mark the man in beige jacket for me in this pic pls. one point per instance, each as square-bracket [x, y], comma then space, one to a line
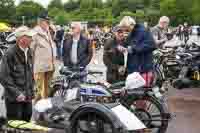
[43, 53]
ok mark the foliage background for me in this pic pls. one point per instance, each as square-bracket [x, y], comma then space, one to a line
[105, 13]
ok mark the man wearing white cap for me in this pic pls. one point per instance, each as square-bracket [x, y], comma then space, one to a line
[159, 31]
[16, 75]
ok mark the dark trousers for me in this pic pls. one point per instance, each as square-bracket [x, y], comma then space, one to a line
[59, 50]
[19, 111]
[186, 38]
[113, 76]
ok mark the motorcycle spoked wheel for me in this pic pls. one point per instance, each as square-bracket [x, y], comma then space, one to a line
[151, 113]
[92, 122]
[158, 78]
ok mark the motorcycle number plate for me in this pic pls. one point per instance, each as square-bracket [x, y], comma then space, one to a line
[128, 118]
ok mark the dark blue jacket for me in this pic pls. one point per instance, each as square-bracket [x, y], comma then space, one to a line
[142, 45]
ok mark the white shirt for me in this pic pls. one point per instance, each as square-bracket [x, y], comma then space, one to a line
[74, 52]
[25, 50]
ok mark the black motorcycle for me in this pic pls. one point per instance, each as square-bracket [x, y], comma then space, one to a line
[69, 112]
[190, 70]
[104, 94]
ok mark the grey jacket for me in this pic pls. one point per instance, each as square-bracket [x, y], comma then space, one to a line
[159, 35]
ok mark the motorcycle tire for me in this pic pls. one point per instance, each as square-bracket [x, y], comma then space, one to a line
[146, 117]
[93, 122]
[158, 77]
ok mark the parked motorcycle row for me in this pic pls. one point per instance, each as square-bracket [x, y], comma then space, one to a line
[6, 40]
[178, 63]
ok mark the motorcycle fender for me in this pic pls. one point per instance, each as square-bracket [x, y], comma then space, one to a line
[100, 109]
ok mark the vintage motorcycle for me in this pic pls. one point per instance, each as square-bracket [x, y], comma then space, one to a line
[153, 113]
[75, 112]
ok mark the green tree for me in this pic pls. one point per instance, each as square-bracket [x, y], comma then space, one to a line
[55, 3]
[90, 4]
[30, 10]
[72, 5]
[195, 11]
[7, 10]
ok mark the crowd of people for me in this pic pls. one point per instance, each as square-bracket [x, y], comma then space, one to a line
[27, 67]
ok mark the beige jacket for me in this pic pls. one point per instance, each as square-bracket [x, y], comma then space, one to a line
[43, 51]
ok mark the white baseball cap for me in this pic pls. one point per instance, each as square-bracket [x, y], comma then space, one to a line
[24, 31]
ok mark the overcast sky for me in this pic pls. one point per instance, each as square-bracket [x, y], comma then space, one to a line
[43, 2]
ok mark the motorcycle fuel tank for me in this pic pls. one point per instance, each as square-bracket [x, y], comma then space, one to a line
[94, 90]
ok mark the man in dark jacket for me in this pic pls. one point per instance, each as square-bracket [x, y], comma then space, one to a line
[77, 51]
[16, 75]
[59, 38]
[114, 59]
[140, 46]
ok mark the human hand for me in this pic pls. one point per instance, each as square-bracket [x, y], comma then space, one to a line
[121, 49]
[122, 70]
[21, 98]
[165, 39]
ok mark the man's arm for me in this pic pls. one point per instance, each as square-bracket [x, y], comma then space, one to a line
[89, 53]
[108, 52]
[145, 43]
[6, 79]
[65, 54]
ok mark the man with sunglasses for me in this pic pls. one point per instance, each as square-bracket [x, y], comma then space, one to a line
[140, 45]
[114, 59]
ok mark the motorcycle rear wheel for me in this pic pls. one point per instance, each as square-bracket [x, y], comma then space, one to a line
[153, 120]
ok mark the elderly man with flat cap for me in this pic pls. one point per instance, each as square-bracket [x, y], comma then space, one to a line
[16, 75]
